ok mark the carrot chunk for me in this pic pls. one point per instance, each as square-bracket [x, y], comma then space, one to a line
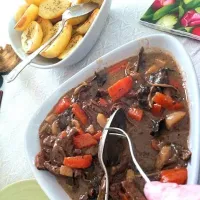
[117, 67]
[79, 113]
[156, 109]
[79, 162]
[135, 113]
[166, 101]
[120, 88]
[178, 176]
[84, 140]
[62, 105]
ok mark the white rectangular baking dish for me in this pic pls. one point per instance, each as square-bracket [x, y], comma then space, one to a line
[168, 43]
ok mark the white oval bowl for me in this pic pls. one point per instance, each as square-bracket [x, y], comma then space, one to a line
[77, 55]
[167, 43]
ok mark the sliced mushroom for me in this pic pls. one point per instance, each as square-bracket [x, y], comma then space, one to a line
[157, 127]
[101, 119]
[132, 69]
[174, 118]
[76, 123]
[163, 157]
[78, 89]
[152, 69]
[51, 118]
[55, 128]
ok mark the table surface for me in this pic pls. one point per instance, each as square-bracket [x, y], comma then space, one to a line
[24, 96]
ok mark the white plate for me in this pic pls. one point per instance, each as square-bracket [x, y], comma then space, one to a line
[78, 54]
[168, 43]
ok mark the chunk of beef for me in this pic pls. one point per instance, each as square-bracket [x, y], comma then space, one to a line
[132, 191]
[160, 77]
[45, 130]
[53, 169]
[49, 141]
[64, 119]
[115, 188]
[101, 92]
[39, 160]
[100, 78]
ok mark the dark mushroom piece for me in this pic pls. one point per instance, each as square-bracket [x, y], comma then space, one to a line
[135, 68]
[157, 126]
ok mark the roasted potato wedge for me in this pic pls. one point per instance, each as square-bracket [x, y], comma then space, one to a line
[36, 2]
[32, 37]
[30, 15]
[21, 10]
[83, 28]
[46, 26]
[50, 9]
[60, 43]
[74, 42]
[78, 20]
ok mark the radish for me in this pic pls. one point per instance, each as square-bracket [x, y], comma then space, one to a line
[160, 3]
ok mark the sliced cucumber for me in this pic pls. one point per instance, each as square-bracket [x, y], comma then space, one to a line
[168, 21]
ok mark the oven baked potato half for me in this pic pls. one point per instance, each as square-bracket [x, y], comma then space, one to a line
[51, 9]
[36, 2]
[31, 38]
[78, 20]
[74, 42]
[47, 27]
[21, 10]
[83, 28]
[30, 15]
[60, 43]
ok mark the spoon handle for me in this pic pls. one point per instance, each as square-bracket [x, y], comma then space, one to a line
[15, 72]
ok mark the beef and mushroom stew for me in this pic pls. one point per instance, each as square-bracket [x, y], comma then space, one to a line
[150, 90]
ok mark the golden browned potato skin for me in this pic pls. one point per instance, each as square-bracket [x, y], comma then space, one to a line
[30, 15]
[82, 29]
[74, 42]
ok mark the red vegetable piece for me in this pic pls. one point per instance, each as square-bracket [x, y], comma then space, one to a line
[98, 135]
[117, 67]
[120, 88]
[84, 140]
[103, 102]
[79, 162]
[80, 131]
[167, 102]
[135, 113]
[62, 105]
[156, 109]
[63, 134]
[79, 113]
[178, 176]
[157, 4]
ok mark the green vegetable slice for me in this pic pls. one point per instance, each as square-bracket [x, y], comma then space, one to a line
[168, 21]
[163, 11]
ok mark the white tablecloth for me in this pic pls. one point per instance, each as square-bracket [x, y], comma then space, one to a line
[24, 96]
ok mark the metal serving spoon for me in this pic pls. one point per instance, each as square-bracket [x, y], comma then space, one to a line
[115, 127]
[72, 12]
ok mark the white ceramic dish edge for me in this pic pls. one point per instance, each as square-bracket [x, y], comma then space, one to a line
[77, 55]
[46, 180]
